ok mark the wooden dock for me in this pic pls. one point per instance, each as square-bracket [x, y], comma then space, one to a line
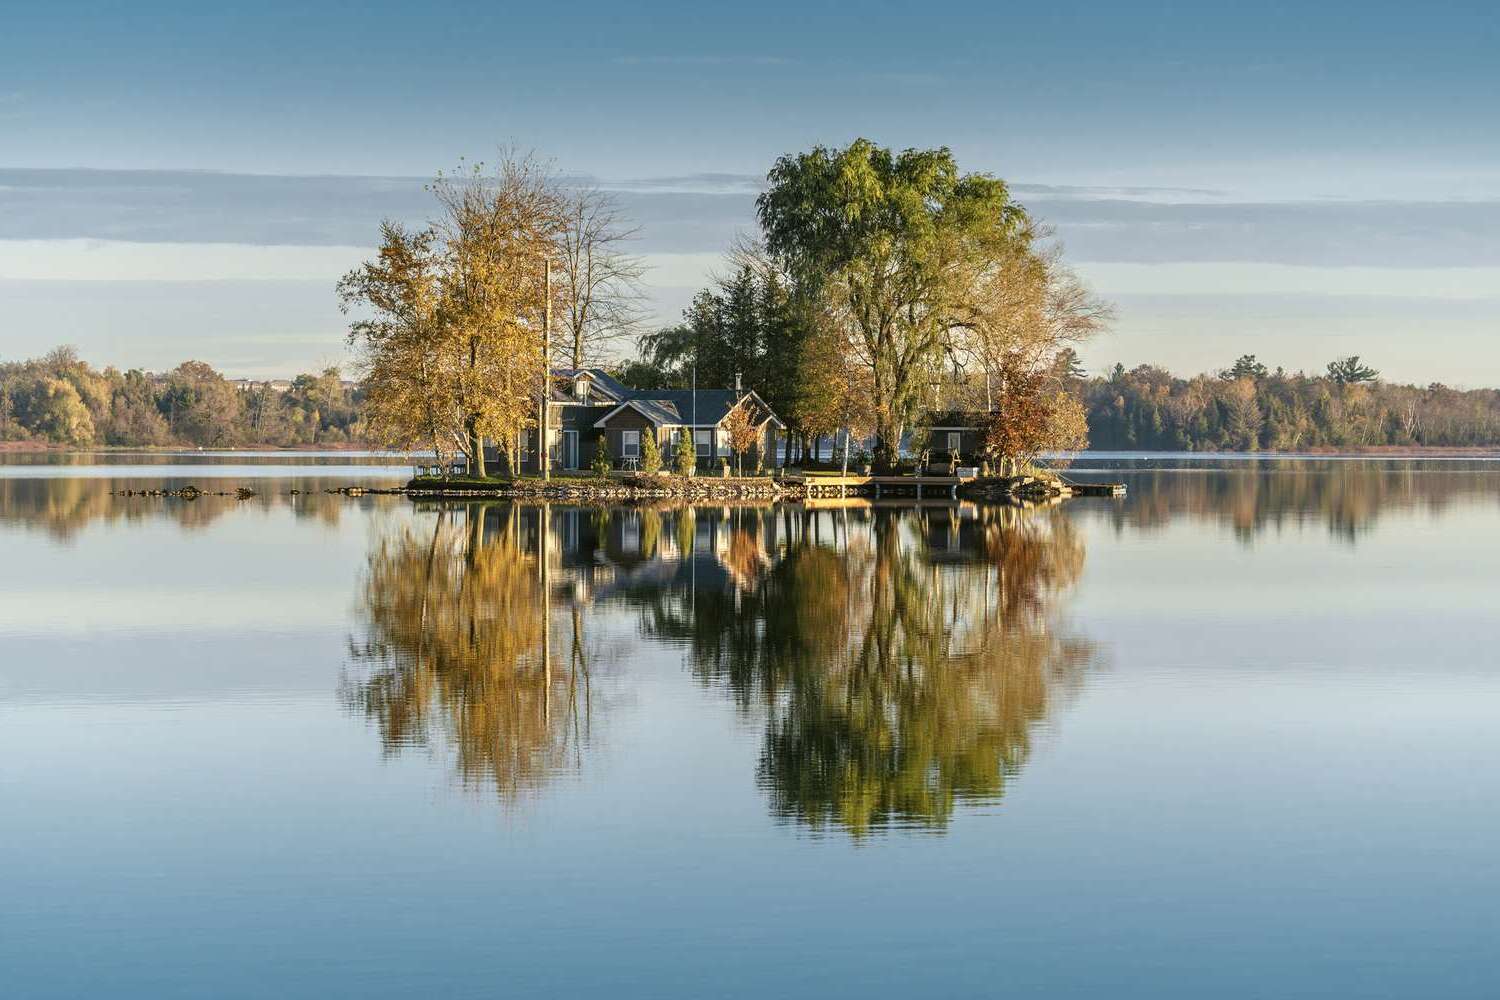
[817, 487]
[945, 488]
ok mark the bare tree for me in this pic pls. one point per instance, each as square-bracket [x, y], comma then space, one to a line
[600, 299]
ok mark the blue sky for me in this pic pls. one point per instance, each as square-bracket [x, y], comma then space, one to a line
[188, 179]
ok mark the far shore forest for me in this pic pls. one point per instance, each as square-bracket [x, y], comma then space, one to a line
[883, 291]
[62, 401]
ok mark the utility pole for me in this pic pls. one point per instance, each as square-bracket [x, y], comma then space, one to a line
[544, 453]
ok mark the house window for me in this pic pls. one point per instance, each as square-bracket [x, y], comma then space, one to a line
[630, 444]
[581, 390]
[704, 443]
[953, 442]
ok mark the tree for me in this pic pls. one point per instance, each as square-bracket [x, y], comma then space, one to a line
[450, 648]
[57, 412]
[201, 406]
[1349, 371]
[1067, 367]
[1245, 367]
[687, 453]
[833, 391]
[1034, 415]
[134, 417]
[497, 232]
[404, 352]
[601, 297]
[740, 427]
[603, 463]
[452, 349]
[650, 453]
[912, 260]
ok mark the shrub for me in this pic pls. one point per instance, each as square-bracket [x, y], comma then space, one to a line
[687, 455]
[650, 453]
[602, 463]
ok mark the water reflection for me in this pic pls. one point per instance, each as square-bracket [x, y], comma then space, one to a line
[901, 659]
[458, 647]
[64, 507]
[898, 661]
[1254, 495]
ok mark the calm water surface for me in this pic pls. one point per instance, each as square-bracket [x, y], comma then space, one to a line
[1232, 736]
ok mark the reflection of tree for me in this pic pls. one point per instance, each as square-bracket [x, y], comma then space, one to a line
[897, 679]
[1252, 496]
[454, 630]
[64, 506]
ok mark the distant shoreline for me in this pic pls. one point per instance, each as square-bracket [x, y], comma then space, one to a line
[38, 447]
[1369, 451]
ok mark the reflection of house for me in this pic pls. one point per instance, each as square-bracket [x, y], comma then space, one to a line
[589, 405]
[606, 554]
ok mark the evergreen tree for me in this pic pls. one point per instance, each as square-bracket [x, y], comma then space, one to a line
[1349, 371]
[650, 453]
[687, 455]
[602, 463]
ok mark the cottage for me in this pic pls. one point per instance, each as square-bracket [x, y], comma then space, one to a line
[957, 433]
[589, 405]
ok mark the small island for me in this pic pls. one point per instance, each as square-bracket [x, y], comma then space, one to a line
[896, 326]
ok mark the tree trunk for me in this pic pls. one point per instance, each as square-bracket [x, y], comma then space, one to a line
[476, 447]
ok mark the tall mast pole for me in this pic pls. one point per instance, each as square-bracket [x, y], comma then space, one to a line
[544, 454]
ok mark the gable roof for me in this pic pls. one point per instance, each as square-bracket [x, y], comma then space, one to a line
[657, 412]
[599, 377]
[683, 407]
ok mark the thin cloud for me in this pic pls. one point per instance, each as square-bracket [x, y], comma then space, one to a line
[703, 212]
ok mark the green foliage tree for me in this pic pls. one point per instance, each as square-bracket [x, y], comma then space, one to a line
[1349, 371]
[650, 453]
[687, 454]
[901, 247]
[1245, 367]
[201, 406]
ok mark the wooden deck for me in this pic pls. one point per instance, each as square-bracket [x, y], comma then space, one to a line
[881, 486]
[946, 488]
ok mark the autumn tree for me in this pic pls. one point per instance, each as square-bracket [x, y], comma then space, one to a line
[402, 342]
[1034, 414]
[496, 233]
[742, 432]
[601, 300]
[451, 314]
[833, 391]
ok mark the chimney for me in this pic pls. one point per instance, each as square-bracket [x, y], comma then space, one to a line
[737, 389]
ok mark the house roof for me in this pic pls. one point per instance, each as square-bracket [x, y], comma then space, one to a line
[603, 379]
[683, 407]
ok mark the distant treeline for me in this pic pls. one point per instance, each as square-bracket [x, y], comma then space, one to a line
[1249, 408]
[63, 400]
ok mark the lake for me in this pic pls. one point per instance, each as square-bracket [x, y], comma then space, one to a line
[1233, 735]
